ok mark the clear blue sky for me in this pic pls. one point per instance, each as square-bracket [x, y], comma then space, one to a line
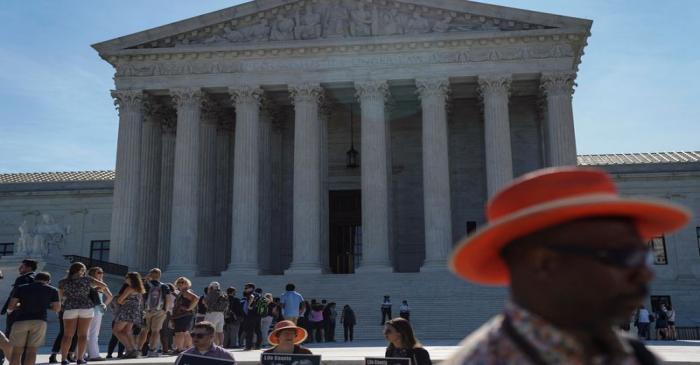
[639, 85]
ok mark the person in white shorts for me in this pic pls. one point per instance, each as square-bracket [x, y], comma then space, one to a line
[217, 303]
[74, 291]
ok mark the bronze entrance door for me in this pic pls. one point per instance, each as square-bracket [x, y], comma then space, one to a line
[345, 231]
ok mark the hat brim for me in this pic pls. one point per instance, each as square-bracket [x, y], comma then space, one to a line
[477, 258]
[299, 337]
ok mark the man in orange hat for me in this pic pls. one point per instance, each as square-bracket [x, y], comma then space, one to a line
[286, 337]
[574, 254]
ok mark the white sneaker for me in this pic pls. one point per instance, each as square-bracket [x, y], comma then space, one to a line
[153, 354]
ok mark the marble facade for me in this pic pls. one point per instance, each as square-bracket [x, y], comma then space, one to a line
[284, 71]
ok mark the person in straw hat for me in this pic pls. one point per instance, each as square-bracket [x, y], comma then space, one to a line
[574, 255]
[286, 337]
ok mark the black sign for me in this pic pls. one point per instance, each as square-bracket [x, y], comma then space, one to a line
[193, 359]
[289, 359]
[387, 361]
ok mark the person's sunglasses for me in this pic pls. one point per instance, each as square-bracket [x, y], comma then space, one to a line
[618, 257]
[198, 335]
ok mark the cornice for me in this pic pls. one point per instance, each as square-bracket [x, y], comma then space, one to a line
[354, 45]
[167, 62]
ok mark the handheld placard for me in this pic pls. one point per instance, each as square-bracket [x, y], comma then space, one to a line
[194, 359]
[387, 361]
[289, 359]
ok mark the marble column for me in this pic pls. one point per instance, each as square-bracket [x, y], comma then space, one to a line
[306, 215]
[166, 187]
[185, 207]
[326, 108]
[126, 198]
[436, 173]
[151, 151]
[224, 190]
[207, 247]
[494, 90]
[374, 176]
[265, 213]
[246, 180]
[278, 155]
[558, 88]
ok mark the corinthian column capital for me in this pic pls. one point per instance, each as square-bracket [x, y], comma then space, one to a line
[306, 92]
[245, 94]
[187, 97]
[124, 99]
[439, 87]
[494, 85]
[372, 90]
[558, 83]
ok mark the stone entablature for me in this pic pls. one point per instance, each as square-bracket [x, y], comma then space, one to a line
[383, 55]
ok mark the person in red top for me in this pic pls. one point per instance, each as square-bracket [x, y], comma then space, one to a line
[286, 338]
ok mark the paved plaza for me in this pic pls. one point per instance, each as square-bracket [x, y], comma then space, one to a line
[676, 352]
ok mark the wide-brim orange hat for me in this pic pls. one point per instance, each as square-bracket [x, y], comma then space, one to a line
[546, 198]
[299, 337]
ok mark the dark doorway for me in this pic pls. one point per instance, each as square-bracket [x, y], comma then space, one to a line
[658, 300]
[345, 233]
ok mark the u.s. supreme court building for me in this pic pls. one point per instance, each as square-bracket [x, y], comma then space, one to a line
[341, 145]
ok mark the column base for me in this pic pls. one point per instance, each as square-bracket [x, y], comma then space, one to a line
[434, 265]
[303, 269]
[374, 268]
[241, 269]
[189, 271]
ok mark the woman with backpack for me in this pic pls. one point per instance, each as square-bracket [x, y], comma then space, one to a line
[267, 316]
[216, 303]
[348, 319]
[130, 312]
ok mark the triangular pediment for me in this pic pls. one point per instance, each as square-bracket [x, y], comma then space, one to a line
[265, 21]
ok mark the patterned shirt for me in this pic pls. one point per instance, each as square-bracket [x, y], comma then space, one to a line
[491, 344]
[76, 293]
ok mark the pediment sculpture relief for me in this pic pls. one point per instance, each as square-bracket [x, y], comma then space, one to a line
[308, 20]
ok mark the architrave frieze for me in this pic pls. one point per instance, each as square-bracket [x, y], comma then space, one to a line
[350, 45]
[345, 57]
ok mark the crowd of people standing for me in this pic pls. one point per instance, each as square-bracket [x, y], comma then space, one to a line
[152, 318]
[663, 319]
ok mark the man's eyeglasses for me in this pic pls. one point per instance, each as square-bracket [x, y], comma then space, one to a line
[198, 335]
[619, 257]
